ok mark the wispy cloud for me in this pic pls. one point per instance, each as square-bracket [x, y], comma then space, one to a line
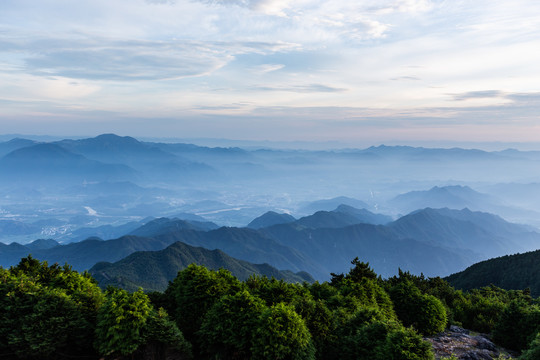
[309, 88]
[484, 94]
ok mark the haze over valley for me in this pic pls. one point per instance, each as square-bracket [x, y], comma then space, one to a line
[434, 211]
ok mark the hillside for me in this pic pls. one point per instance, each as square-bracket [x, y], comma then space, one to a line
[511, 272]
[152, 270]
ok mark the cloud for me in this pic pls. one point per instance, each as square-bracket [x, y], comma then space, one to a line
[266, 68]
[309, 88]
[132, 60]
[484, 94]
[409, 78]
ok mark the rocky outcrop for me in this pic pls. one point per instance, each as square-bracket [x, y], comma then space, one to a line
[465, 345]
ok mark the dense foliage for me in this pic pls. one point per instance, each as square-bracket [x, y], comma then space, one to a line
[53, 312]
[509, 272]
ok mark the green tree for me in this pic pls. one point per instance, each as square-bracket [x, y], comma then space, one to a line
[533, 352]
[274, 291]
[194, 291]
[282, 335]
[121, 322]
[47, 311]
[517, 325]
[229, 326]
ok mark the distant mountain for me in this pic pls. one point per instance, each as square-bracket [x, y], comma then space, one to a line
[82, 255]
[42, 244]
[165, 226]
[454, 197]
[152, 270]
[105, 232]
[363, 215]
[150, 160]
[342, 216]
[14, 227]
[14, 144]
[333, 248]
[116, 149]
[49, 162]
[331, 204]
[249, 245]
[511, 272]
[270, 218]
[485, 234]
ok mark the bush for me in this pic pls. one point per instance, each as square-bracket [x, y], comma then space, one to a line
[423, 312]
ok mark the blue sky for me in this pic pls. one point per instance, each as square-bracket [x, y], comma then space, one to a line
[360, 72]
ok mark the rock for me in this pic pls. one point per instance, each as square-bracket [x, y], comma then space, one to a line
[465, 346]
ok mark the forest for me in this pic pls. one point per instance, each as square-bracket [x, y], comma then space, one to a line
[54, 312]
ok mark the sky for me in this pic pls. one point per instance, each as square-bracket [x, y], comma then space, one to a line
[352, 71]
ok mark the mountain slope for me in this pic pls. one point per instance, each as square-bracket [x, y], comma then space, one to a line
[249, 245]
[82, 255]
[485, 234]
[49, 162]
[454, 197]
[511, 272]
[154, 162]
[164, 226]
[343, 215]
[333, 248]
[331, 204]
[270, 218]
[152, 270]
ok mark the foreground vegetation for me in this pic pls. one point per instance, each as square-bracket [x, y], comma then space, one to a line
[53, 312]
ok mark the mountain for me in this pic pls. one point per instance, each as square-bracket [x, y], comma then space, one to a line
[270, 218]
[150, 160]
[333, 248]
[342, 216]
[249, 245]
[152, 270]
[81, 255]
[14, 227]
[116, 149]
[41, 244]
[454, 197]
[331, 204]
[485, 234]
[511, 272]
[363, 215]
[50, 162]
[14, 144]
[105, 232]
[164, 226]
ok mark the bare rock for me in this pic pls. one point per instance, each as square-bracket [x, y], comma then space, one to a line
[465, 345]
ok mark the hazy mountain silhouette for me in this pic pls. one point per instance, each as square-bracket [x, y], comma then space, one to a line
[14, 144]
[49, 162]
[331, 204]
[485, 234]
[165, 225]
[270, 218]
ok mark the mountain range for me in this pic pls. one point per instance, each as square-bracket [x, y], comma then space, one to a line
[435, 242]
